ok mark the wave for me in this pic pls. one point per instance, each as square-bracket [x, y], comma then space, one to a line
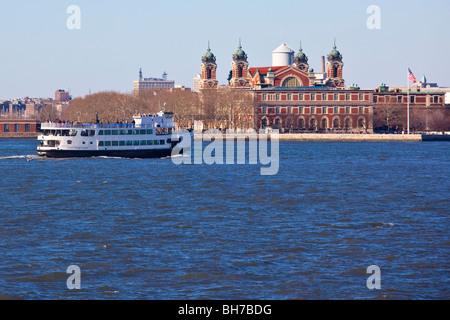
[28, 157]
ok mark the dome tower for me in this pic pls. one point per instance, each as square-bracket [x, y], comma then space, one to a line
[209, 69]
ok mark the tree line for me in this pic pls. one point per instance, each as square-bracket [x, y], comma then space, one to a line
[223, 108]
[218, 109]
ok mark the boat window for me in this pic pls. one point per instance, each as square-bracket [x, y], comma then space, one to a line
[91, 133]
[143, 142]
[121, 143]
[107, 132]
[129, 132]
[84, 133]
[135, 132]
[129, 143]
[114, 132]
[156, 142]
[149, 131]
[136, 142]
[115, 143]
[161, 142]
[143, 131]
[100, 132]
[122, 132]
[149, 142]
[101, 143]
[107, 143]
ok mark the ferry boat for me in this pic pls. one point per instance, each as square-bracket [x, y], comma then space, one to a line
[148, 136]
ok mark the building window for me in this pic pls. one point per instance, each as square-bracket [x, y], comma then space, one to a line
[277, 97]
[336, 110]
[399, 99]
[300, 96]
[6, 127]
[289, 96]
[361, 123]
[348, 123]
[412, 99]
[312, 110]
[313, 97]
[291, 82]
[324, 96]
[324, 110]
[361, 97]
[300, 110]
[361, 110]
[278, 123]
[278, 110]
[336, 97]
[347, 110]
[347, 96]
[264, 96]
[336, 123]
[301, 123]
[27, 127]
[435, 99]
[375, 99]
[16, 127]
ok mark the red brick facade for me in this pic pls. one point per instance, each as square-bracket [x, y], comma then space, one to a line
[18, 126]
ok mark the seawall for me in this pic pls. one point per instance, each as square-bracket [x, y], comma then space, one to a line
[18, 135]
[363, 137]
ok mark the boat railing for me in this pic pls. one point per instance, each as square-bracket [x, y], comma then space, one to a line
[69, 125]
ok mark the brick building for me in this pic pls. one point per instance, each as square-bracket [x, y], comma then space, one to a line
[291, 96]
[18, 126]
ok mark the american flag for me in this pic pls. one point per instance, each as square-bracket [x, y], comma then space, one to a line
[411, 76]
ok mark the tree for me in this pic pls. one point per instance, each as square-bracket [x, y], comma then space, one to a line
[389, 115]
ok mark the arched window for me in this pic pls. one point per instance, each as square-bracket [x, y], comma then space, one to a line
[336, 123]
[240, 71]
[301, 123]
[324, 123]
[291, 82]
[335, 71]
[208, 74]
[361, 123]
[348, 123]
[264, 122]
[278, 123]
[313, 124]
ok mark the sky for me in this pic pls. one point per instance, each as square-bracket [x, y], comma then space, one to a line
[40, 54]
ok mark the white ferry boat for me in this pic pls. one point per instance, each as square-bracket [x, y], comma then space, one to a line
[149, 136]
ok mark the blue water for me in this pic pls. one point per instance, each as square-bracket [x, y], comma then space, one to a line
[150, 229]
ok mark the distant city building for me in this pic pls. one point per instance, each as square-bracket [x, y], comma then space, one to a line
[152, 84]
[197, 83]
[62, 96]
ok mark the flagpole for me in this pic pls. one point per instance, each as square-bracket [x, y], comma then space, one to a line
[407, 80]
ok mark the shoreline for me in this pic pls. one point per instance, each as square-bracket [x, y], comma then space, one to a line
[363, 137]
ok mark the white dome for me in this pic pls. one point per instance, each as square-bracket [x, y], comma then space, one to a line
[282, 56]
[283, 48]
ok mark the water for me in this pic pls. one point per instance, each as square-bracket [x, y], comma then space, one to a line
[149, 229]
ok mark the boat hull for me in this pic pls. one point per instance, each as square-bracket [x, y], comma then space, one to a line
[136, 154]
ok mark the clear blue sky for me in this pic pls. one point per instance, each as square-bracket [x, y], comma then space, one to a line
[39, 54]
